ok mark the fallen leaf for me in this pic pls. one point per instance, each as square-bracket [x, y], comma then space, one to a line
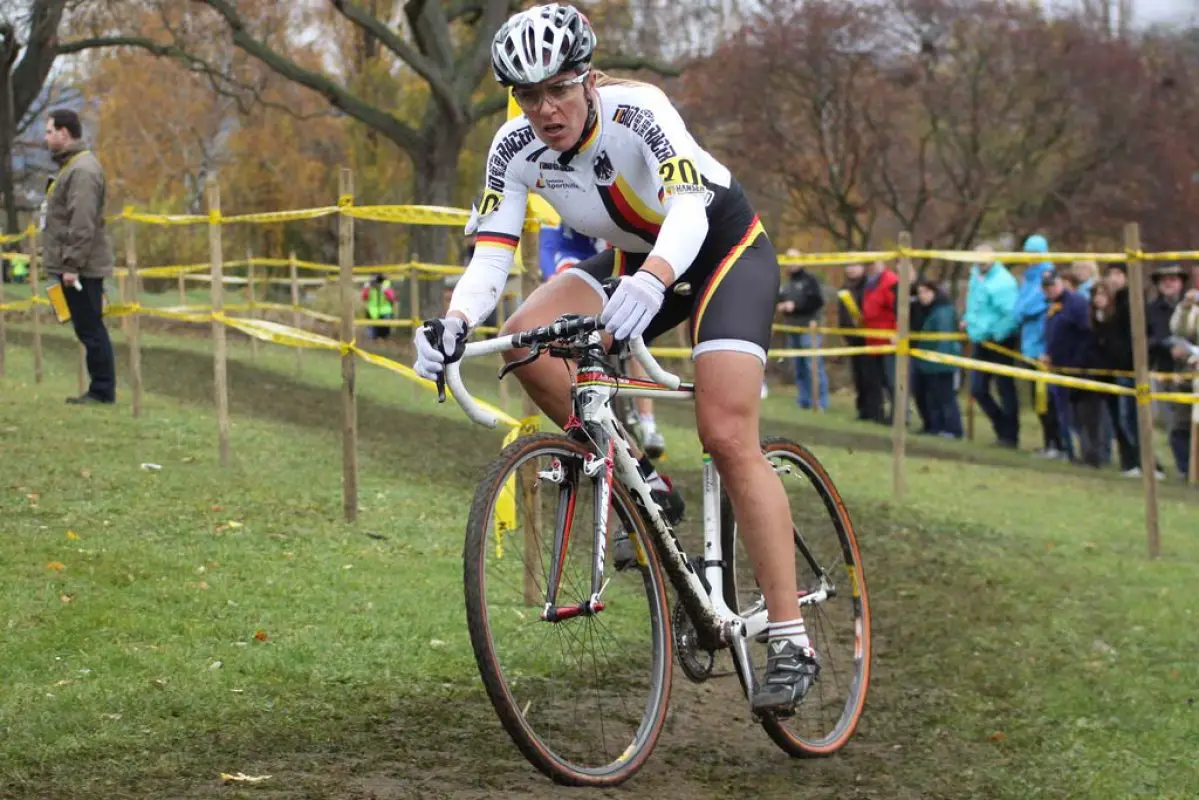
[217, 507]
[202, 586]
[235, 524]
[33, 497]
[161, 683]
[436, 643]
[64, 682]
[85, 473]
[279, 537]
[66, 598]
[998, 736]
[74, 537]
[111, 716]
[260, 635]
[57, 566]
[188, 459]
[215, 665]
[241, 777]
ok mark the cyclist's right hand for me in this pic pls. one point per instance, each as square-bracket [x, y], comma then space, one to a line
[439, 342]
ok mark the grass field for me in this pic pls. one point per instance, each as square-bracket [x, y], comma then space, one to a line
[160, 627]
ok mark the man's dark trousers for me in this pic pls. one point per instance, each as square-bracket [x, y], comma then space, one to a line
[86, 315]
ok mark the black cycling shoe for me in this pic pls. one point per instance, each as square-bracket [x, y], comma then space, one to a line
[669, 499]
[790, 672]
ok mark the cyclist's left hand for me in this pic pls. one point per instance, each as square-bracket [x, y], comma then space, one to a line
[633, 305]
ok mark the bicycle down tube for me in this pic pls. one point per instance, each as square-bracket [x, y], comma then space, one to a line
[594, 389]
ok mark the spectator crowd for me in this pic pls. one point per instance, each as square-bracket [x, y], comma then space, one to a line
[1076, 320]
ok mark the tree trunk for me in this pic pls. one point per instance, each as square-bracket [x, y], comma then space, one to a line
[8, 134]
[436, 173]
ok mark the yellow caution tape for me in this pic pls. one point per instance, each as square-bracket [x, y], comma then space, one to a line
[1020, 372]
[1143, 390]
[271, 217]
[16, 258]
[1175, 397]
[410, 215]
[836, 259]
[12, 238]
[851, 306]
[973, 257]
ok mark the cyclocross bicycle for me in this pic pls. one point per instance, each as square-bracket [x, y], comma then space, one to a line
[574, 650]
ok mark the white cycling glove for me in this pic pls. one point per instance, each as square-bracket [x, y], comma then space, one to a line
[438, 342]
[633, 305]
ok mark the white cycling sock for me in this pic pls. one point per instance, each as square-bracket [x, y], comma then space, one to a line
[648, 426]
[792, 630]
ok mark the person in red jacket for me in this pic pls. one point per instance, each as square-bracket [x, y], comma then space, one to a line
[878, 313]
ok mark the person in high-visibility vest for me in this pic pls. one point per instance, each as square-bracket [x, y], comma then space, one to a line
[380, 304]
[20, 270]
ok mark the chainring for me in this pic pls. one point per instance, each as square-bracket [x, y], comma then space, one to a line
[697, 664]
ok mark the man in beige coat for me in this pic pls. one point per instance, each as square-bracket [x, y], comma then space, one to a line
[76, 249]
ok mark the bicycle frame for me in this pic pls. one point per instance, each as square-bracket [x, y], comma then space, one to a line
[592, 391]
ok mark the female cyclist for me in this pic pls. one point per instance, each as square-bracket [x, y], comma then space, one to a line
[615, 160]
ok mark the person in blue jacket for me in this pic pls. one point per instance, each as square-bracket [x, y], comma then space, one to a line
[1068, 343]
[991, 319]
[1031, 305]
[939, 400]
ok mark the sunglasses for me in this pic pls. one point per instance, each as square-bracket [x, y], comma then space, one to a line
[530, 99]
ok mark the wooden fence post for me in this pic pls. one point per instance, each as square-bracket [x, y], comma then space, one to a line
[135, 345]
[1140, 359]
[3, 324]
[296, 316]
[349, 401]
[1193, 464]
[250, 274]
[530, 494]
[414, 311]
[220, 364]
[501, 316]
[35, 316]
[899, 412]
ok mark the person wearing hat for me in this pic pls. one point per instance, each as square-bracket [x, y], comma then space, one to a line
[1031, 308]
[1168, 281]
[1068, 343]
[801, 301]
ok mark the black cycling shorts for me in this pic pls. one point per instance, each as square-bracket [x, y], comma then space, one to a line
[729, 292]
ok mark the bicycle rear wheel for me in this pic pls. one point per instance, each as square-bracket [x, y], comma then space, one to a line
[583, 698]
[839, 627]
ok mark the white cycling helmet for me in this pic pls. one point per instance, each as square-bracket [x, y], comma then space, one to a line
[540, 43]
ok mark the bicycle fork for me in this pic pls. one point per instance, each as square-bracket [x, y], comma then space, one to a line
[599, 471]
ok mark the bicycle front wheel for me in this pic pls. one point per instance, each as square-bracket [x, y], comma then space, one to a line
[826, 558]
[584, 697]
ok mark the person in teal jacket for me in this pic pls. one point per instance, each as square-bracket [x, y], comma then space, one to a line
[991, 319]
[936, 380]
[1031, 308]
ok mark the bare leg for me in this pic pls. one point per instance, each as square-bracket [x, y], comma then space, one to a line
[547, 380]
[727, 386]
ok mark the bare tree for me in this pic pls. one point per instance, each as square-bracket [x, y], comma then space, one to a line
[445, 43]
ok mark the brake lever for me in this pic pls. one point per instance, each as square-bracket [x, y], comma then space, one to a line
[534, 352]
[431, 338]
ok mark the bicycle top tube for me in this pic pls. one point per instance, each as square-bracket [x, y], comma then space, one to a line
[565, 328]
